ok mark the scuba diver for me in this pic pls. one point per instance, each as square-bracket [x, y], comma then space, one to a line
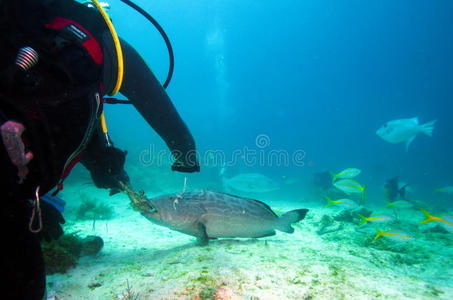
[58, 59]
[394, 190]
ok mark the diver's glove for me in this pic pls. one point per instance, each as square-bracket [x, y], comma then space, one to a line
[109, 170]
[51, 222]
[186, 168]
[124, 179]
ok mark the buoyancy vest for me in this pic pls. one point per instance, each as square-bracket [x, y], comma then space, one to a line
[59, 99]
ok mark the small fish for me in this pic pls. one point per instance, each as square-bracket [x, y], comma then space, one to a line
[346, 174]
[394, 234]
[399, 204]
[322, 180]
[350, 186]
[446, 221]
[345, 203]
[404, 130]
[447, 190]
[379, 218]
[250, 183]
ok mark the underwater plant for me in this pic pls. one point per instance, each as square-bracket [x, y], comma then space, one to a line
[129, 294]
[92, 209]
[62, 254]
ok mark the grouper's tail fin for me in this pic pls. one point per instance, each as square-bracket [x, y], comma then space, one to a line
[294, 216]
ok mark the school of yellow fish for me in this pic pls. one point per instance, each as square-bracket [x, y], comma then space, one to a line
[345, 182]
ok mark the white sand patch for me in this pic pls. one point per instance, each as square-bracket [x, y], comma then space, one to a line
[162, 264]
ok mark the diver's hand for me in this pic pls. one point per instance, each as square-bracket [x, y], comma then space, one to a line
[109, 170]
[51, 221]
[181, 167]
[121, 179]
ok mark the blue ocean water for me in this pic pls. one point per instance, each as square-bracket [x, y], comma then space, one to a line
[314, 76]
[277, 92]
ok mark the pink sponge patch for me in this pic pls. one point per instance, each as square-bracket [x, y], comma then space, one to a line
[11, 135]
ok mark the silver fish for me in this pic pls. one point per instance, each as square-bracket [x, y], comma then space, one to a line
[250, 183]
[208, 214]
[404, 130]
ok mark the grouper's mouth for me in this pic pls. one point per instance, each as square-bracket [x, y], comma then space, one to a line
[150, 211]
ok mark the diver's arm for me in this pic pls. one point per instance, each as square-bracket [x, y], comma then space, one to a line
[148, 96]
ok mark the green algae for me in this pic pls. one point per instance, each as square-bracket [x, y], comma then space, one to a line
[93, 209]
[413, 259]
[433, 291]
[205, 280]
[337, 272]
[208, 293]
[203, 257]
[62, 254]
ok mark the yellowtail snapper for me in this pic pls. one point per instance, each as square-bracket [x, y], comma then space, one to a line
[378, 218]
[394, 234]
[350, 186]
[399, 204]
[346, 174]
[446, 221]
[345, 203]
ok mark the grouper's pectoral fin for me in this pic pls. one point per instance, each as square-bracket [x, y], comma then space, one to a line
[202, 237]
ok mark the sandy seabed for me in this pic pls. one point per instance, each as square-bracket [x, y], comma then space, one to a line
[158, 263]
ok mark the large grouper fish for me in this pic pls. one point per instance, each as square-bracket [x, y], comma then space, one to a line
[208, 214]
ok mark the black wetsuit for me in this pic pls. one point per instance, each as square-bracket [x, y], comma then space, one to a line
[49, 139]
[145, 92]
